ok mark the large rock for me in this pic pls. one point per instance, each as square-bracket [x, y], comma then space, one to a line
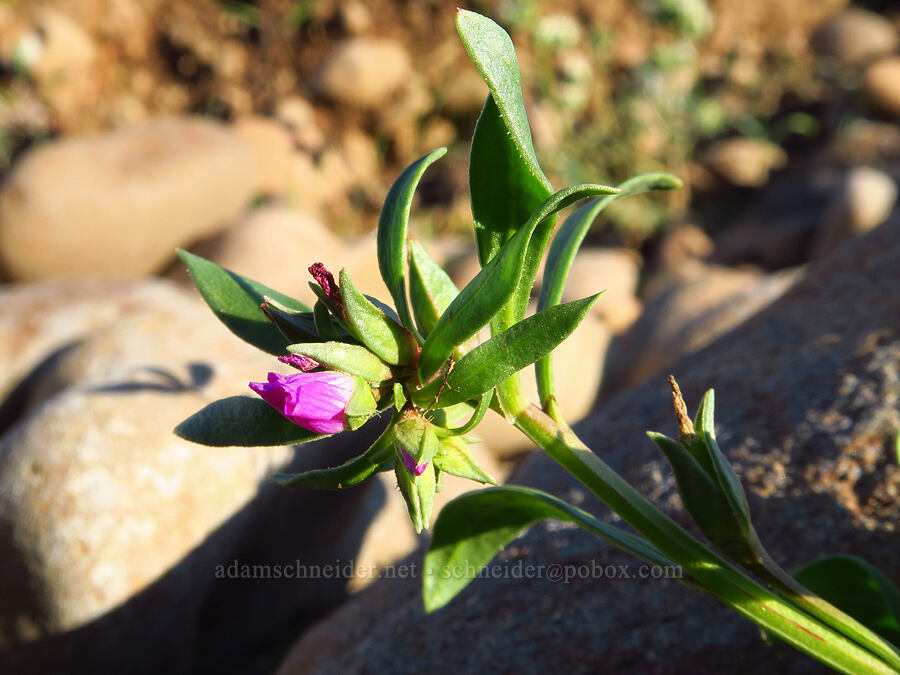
[116, 204]
[807, 411]
[688, 316]
[883, 84]
[364, 72]
[112, 528]
[745, 162]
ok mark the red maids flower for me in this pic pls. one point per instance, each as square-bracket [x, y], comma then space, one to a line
[314, 401]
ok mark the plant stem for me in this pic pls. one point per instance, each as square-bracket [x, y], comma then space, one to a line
[717, 575]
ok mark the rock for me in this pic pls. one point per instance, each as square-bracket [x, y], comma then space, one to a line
[614, 271]
[745, 162]
[364, 72]
[276, 245]
[298, 115]
[112, 529]
[864, 201]
[687, 317]
[116, 204]
[355, 17]
[464, 93]
[273, 147]
[882, 83]
[55, 48]
[806, 410]
[855, 36]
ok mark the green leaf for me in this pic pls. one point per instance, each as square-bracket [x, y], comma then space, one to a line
[323, 322]
[454, 458]
[350, 473]
[470, 530]
[505, 180]
[242, 421]
[295, 326]
[857, 588]
[418, 492]
[430, 288]
[565, 246]
[392, 228]
[707, 504]
[386, 338]
[351, 359]
[493, 361]
[494, 286]
[236, 299]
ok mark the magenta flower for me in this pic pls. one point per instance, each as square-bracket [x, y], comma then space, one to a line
[314, 401]
[410, 463]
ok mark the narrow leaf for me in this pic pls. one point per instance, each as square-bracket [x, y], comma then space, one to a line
[351, 359]
[382, 335]
[242, 421]
[471, 529]
[392, 228]
[505, 180]
[454, 458]
[493, 361]
[430, 288]
[235, 299]
[565, 246]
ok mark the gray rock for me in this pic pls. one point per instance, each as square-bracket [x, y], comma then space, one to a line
[115, 204]
[807, 411]
[855, 36]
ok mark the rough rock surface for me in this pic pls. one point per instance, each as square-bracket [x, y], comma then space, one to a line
[66, 209]
[808, 394]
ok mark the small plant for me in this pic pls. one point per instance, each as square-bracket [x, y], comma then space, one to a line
[419, 363]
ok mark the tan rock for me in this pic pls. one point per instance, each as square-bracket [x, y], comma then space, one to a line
[745, 162]
[298, 115]
[882, 84]
[116, 204]
[364, 72]
[855, 36]
[273, 147]
[614, 271]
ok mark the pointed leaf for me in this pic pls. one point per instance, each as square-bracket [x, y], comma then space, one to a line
[565, 246]
[454, 458]
[295, 326]
[236, 299]
[471, 529]
[352, 359]
[350, 473]
[392, 228]
[493, 361]
[323, 322]
[242, 421]
[431, 290]
[386, 338]
[494, 286]
[505, 179]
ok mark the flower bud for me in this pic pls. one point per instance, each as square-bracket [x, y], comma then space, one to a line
[325, 402]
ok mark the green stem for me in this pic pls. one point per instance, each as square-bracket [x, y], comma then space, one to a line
[773, 574]
[718, 576]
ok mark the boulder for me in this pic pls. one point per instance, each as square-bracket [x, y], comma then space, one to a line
[116, 204]
[364, 72]
[745, 162]
[116, 535]
[689, 315]
[272, 146]
[807, 412]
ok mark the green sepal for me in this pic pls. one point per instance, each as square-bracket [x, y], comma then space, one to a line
[430, 288]
[352, 359]
[418, 492]
[399, 396]
[235, 300]
[416, 435]
[454, 458]
[352, 472]
[386, 338]
[362, 404]
[392, 228]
